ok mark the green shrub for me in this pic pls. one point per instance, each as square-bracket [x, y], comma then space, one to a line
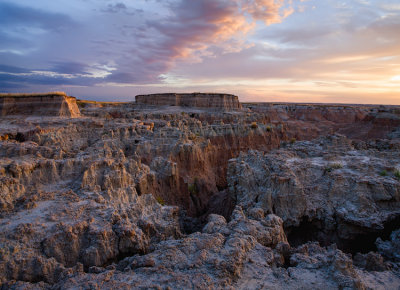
[160, 200]
[336, 165]
[333, 166]
[383, 173]
[293, 140]
[193, 188]
[81, 104]
[397, 174]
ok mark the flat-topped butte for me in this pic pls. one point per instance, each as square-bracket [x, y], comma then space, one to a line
[39, 104]
[199, 100]
[25, 95]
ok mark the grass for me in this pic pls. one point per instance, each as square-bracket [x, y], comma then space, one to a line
[160, 200]
[193, 188]
[24, 95]
[84, 103]
[337, 165]
[383, 173]
[333, 166]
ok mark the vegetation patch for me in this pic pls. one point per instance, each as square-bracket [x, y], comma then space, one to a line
[24, 95]
[85, 103]
[193, 187]
[333, 166]
[337, 165]
[160, 200]
[383, 173]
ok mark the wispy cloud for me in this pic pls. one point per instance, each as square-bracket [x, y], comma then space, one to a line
[151, 45]
[16, 19]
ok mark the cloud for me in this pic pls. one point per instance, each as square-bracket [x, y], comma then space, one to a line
[12, 69]
[71, 68]
[192, 31]
[16, 18]
[120, 7]
[196, 26]
[269, 11]
[360, 47]
[141, 47]
[43, 78]
[24, 30]
[237, 45]
[114, 8]
[181, 44]
[60, 73]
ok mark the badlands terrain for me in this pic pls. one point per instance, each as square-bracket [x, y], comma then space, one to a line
[188, 191]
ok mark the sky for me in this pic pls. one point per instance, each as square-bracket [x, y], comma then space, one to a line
[321, 51]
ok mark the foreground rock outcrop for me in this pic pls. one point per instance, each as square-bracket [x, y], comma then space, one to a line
[332, 189]
[48, 104]
[135, 196]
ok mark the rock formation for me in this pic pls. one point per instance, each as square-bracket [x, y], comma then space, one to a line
[200, 100]
[331, 190]
[136, 196]
[49, 104]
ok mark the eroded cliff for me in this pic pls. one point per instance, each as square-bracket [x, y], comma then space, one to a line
[48, 104]
[200, 100]
[133, 196]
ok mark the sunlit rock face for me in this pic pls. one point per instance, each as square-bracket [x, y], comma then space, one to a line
[49, 104]
[205, 100]
[149, 196]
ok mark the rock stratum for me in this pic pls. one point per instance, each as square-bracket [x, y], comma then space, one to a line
[267, 196]
[49, 104]
[200, 100]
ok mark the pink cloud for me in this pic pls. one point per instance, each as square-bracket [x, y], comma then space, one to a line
[197, 26]
[269, 11]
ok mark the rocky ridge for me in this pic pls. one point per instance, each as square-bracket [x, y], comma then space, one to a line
[133, 196]
[332, 189]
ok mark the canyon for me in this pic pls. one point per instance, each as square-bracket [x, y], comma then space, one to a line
[198, 191]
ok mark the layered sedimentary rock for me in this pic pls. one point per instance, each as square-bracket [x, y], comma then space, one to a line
[200, 100]
[134, 196]
[49, 104]
[334, 189]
